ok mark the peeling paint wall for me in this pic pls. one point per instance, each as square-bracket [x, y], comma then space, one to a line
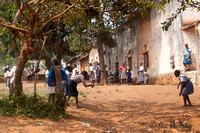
[147, 36]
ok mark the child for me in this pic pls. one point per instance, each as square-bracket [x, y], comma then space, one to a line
[123, 73]
[51, 90]
[129, 79]
[145, 77]
[186, 87]
[140, 73]
[71, 86]
[91, 74]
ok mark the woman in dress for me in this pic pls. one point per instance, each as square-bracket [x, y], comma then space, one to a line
[140, 73]
[91, 74]
[187, 58]
[123, 73]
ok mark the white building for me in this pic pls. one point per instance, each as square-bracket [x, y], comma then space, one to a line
[160, 51]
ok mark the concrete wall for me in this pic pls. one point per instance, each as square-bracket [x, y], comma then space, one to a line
[93, 56]
[190, 15]
[147, 35]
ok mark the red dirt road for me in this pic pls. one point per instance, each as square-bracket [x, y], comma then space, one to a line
[119, 109]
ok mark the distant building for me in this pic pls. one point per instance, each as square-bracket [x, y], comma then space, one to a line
[81, 62]
[94, 57]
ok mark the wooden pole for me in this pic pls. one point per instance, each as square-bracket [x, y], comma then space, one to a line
[35, 82]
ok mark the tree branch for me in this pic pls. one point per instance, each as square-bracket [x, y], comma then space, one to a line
[11, 27]
[55, 17]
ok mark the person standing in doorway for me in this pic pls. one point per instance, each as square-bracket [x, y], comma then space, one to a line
[187, 61]
[123, 73]
[140, 73]
[146, 75]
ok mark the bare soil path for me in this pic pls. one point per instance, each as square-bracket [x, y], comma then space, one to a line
[114, 108]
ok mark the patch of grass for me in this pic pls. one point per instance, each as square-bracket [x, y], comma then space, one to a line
[28, 106]
[71, 100]
[81, 93]
[158, 93]
[99, 91]
[199, 115]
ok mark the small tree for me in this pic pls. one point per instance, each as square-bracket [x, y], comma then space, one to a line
[27, 25]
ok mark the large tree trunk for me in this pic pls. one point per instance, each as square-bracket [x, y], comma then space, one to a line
[102, 64]
[59, 56]
[23, 58]
[48, 62]
[59, 94]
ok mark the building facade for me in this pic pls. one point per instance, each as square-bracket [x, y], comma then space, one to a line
[160, 51]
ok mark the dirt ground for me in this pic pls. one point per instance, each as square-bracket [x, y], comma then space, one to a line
[119, 109]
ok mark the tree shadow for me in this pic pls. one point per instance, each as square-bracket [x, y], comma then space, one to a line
[116, 116]
[128, 115]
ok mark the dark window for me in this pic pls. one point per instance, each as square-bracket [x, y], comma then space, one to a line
[117, 65]
[109, 65]
[130, 62]
[146, 60]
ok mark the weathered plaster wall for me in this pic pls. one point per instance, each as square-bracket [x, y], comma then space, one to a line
[190, 15]
[161, 45]
[93, 56]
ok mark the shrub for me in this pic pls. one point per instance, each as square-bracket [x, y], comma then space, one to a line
[28, 106]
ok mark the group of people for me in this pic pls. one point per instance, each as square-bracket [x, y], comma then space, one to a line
[126, 77]
[70, 78]
[9, 75]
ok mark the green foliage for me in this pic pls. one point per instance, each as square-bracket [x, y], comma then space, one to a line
[8, 52]
[7, 11]
[6, 59]
[28, 106]
[104, 36]
[125, 12]
[79, 43]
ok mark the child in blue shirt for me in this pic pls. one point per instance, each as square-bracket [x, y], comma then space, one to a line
[129, 79]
